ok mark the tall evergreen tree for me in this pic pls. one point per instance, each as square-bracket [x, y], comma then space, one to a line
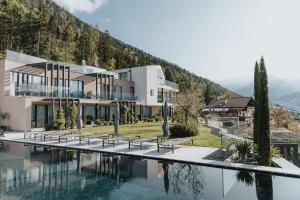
[264, 138]
[256, 99]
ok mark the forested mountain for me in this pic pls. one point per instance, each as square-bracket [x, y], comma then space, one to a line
[41, 28]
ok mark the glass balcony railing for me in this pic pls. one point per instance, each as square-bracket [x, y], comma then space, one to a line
[36, 89]
[161, 99]
[54, 91]
[170, 84]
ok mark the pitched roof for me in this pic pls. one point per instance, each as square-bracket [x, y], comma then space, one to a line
[233, 102]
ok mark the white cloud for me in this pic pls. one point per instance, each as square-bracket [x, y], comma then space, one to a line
[87, 6]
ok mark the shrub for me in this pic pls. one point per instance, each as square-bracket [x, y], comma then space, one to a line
[275, 151]
[60, 119]
[145, 119]
[98, 122]
[105, 123]
[136, 120]
[158, 118]
[181, 130]
[243, 147]
[89, 119]
[73, 115]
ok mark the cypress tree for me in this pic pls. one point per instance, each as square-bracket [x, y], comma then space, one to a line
[256, 99]
[264, 139]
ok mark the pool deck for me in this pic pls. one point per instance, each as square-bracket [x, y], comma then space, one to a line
[184, 154]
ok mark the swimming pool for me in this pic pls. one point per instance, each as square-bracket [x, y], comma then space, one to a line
[28, 172]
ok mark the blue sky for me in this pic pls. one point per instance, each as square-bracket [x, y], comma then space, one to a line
[217, 39]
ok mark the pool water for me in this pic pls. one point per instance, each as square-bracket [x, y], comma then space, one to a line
[28, 172]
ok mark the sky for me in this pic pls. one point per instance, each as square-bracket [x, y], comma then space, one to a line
[216, 39]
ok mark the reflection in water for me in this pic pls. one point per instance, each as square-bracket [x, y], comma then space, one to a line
[166, 177]
[38, 173]
[264, 187]
[245, 177]
[184, 176]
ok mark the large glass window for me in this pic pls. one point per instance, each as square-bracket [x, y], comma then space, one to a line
[76, 88]
[118, 92]
[123, 76]
[40, 116]
[159, 97]
[132, 93]
[147, 111]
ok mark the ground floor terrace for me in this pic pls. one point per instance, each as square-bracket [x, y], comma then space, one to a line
[182, 154]
[27, 113]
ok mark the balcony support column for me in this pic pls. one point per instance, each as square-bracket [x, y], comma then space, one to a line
[101, 86]
[131, 110]
[63, 81]
[69, 81]
[57, 80]
[45, 81]
[105, 86]
[66, 113]
[53, 114]
[59, 103]
[97, 86]
[51, 81]
[96, 111]
[113, 87]
[141, 112]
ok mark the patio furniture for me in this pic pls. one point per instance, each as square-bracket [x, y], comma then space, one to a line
[112, 139]
[138, 141]
[54, 135]
[168, 143]
[88, 137]
[34, 135]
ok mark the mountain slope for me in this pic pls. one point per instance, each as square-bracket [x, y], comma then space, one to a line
[41, 28]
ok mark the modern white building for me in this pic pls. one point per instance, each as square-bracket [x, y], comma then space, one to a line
[151, 87]
[33, 89]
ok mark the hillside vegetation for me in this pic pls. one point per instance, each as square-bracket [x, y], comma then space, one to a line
[41, 28]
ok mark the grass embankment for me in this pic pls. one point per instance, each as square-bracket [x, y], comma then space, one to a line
[149, 129]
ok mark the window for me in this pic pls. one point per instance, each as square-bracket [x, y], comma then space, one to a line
[123, 76]
[118, 93]
[151, 92]
[159, 97]
[132, 93]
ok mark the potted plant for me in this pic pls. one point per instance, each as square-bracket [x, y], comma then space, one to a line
[244, 147]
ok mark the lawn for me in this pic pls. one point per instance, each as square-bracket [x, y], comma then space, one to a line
[148, 129]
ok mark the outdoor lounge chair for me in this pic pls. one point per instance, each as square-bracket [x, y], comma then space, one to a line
[89, 137]
[167, 143]
[34, 135]
[138, 141]
[54, 135]
[114, 140]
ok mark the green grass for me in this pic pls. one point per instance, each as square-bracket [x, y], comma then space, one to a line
[149, 129]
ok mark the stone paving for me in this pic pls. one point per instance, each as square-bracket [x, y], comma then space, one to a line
[187, 154]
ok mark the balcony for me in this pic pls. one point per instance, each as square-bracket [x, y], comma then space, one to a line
[37, 89]
[125, 96]
[168, 84]
[161, 99]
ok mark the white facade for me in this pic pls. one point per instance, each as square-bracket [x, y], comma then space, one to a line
[149, 81]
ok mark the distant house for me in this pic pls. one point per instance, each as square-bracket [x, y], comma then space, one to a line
[231, 109]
